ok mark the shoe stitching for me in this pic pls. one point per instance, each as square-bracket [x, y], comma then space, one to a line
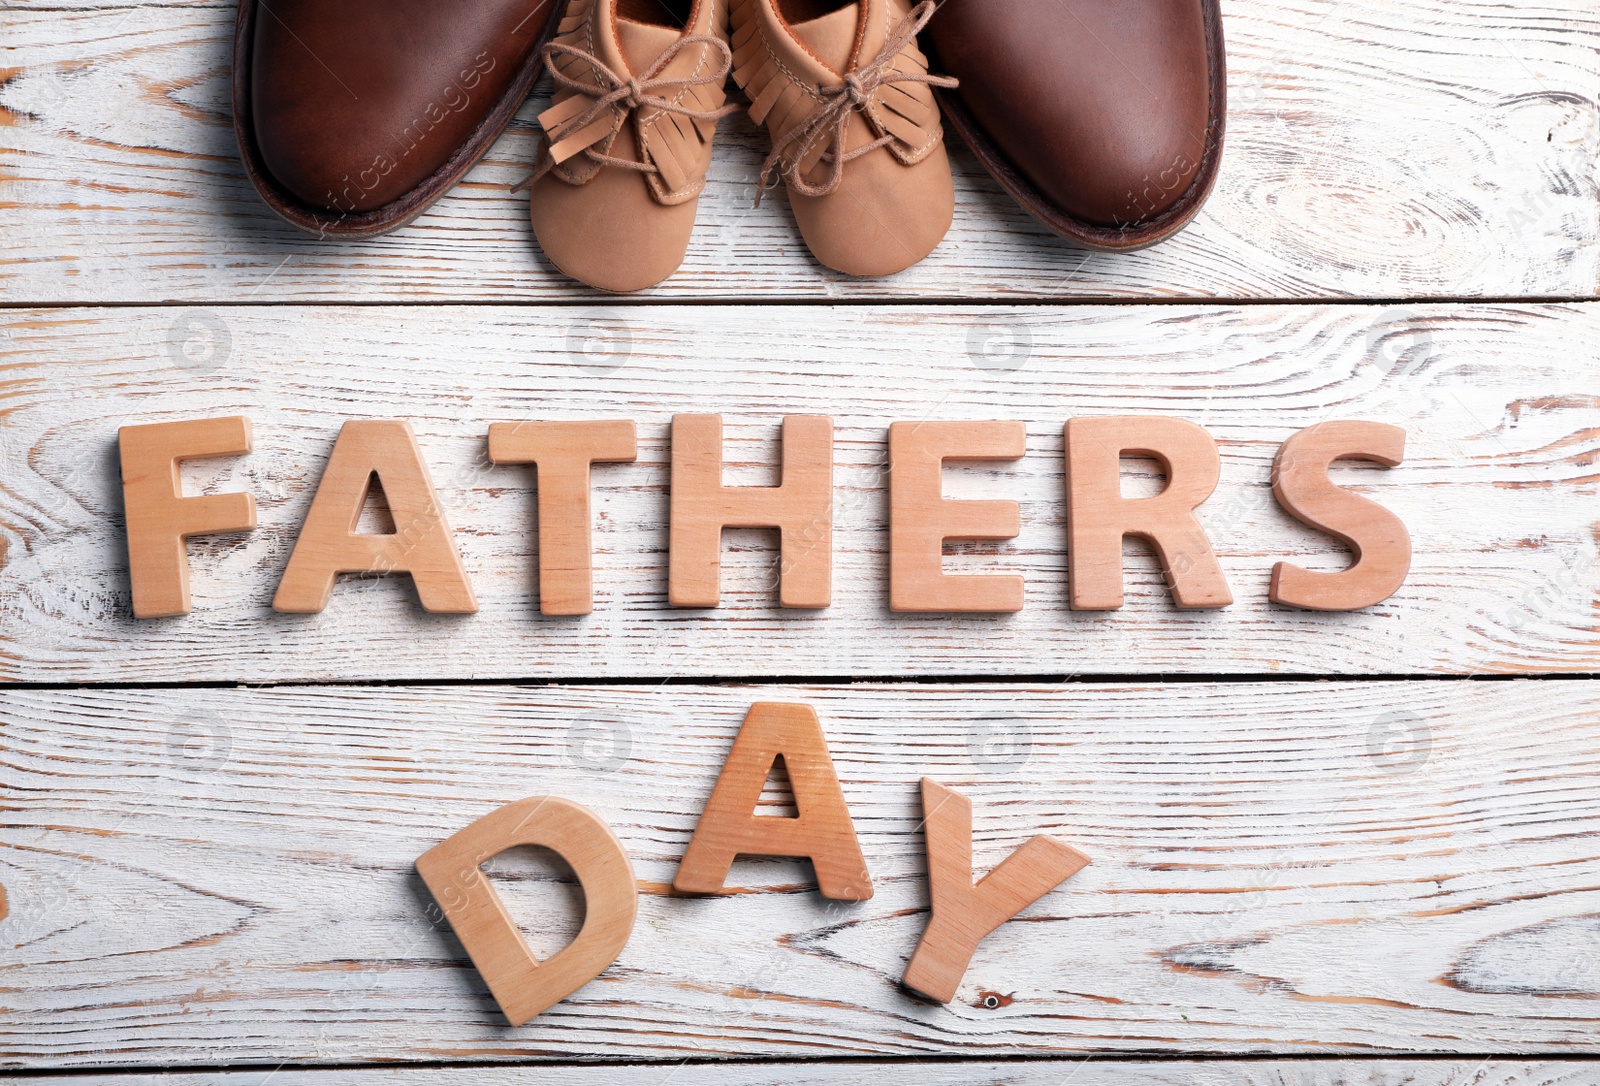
[913, 154]
[590, 10]
[695, 186]
[905, 152]
[794, 81]
[777, 62]
[805, 48]
[566, 173]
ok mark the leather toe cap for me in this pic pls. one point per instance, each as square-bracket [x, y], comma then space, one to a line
[356, 103]
[1102, 105]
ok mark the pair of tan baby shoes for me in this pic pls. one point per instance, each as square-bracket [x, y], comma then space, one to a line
[843, 92]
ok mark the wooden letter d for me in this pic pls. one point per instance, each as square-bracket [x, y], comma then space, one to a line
[521, 984]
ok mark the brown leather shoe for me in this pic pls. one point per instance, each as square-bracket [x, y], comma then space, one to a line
[353, 116]
[639, 91]
[847, 98]
[1104, 118]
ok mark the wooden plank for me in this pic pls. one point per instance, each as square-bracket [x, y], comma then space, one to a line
[1420, 148]
[1498, 487]
[1265, 1072]
[215, 876]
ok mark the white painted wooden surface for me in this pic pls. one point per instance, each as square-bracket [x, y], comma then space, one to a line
[1376, 148]
[214, 876]
[1081, 1072]
[1498, 487]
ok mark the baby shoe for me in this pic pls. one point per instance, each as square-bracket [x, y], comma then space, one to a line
[848, 101]
[639, 91]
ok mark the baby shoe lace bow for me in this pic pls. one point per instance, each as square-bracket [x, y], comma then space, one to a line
[826, 124]
[623, 96]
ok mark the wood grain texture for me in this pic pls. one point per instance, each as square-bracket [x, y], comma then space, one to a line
[564, 455]
[160, 519]
[523, 984]
[732, 824]
[1079, 1072]
[210, 877]
[1100, 519]
[216, 876]
[800, 507]
[1376, 148]
[1499, 487]
[922, 519]
[964, 907]
[1379, 544]
[329, 542]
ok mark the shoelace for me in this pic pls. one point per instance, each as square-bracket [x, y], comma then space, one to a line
[632, 93]
[827, 122]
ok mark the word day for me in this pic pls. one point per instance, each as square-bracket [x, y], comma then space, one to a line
[963, 912]
[160, 518]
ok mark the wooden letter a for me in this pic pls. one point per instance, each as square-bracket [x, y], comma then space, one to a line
[730, 827]
[420, 544]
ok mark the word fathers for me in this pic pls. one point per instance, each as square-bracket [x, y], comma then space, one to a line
[160, 518]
